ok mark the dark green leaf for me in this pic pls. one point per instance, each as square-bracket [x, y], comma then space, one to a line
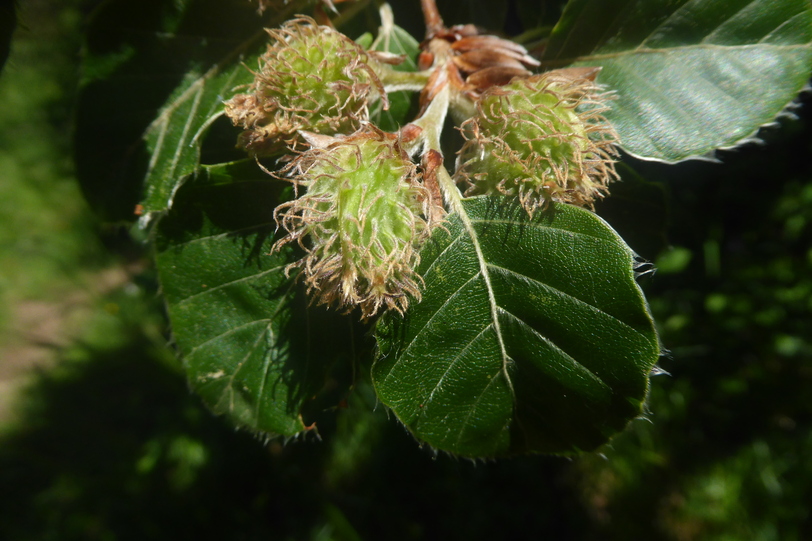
[136, 55]
[691, 76]
[532, 335]
[251, 347]
[173, 139]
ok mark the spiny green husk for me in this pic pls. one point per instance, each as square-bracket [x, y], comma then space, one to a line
[361, 222]
[311, 78]
[540, 139]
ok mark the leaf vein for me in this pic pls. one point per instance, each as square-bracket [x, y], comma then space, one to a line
[553, 345]
[230, 331]
[710, 34]
[402, 354]
[475, 405]
[230, 283]
[483, 269]
[558, 292]
[454, 362]
[266, 368]
[234, 233]
[180, 147]
[782, 25]
[249, 351]
[441, 254]
[569, 232]
[664, 22]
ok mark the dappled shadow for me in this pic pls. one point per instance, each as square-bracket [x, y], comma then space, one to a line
[303, 355]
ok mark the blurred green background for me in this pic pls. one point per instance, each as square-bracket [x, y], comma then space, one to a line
[100, 438]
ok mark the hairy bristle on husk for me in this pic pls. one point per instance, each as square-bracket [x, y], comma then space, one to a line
[360, 221]
[310, 78]
[540, 139]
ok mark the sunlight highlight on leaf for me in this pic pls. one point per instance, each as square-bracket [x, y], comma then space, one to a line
[544, 344]
[691, 76]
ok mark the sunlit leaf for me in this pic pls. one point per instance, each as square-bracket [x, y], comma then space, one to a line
[691, 76]
[173, 140]
[532, 335]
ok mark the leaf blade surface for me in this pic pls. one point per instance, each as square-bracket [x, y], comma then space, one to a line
[252, 348]
[691, 76]
[550, 353]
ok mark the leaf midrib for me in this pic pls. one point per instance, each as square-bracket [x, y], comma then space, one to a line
[234, 233]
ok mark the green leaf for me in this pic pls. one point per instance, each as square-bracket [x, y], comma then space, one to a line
[393, 39]
[173, 139]
[251, 347]
[532, 335]
[691, 76]
[155, 73]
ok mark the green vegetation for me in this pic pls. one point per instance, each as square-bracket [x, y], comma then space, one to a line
[107, 442]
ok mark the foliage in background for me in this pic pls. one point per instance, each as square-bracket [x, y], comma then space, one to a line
[48, 241]
[8, 22]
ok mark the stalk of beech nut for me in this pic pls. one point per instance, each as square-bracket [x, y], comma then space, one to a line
[361, 221]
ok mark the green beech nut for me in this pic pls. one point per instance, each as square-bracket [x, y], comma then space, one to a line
[311, 78]
[361, 221]
[540, 139]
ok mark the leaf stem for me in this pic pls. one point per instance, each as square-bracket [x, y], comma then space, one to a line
[394, 80]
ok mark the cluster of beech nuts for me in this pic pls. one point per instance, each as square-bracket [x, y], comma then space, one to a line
[367, 200]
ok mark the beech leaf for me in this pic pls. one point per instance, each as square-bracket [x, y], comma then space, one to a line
[532, 335]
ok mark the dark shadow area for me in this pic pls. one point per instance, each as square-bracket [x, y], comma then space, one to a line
[8, 22]
[111, 445]
[638, 210]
